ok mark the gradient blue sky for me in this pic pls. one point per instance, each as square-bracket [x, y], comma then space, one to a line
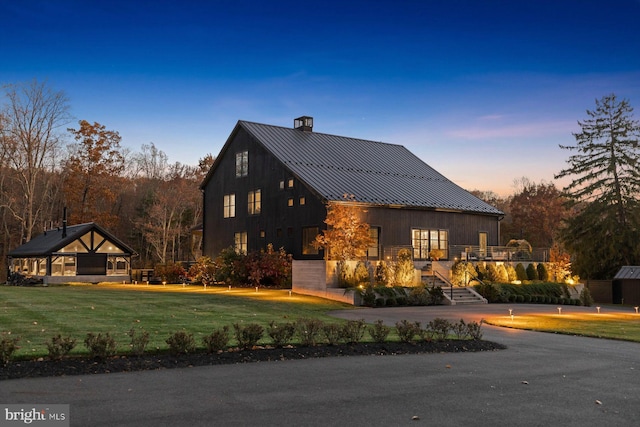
[483, 91]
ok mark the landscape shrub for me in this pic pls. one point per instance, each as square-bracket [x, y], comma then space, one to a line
[380, 302]
[381, 274]
[203, 271]
[361, 274]
[231, 268]
[8, 346]
[281, 333]
[543, 273]
[520, 298]
[462, 272]
[171, 272]
[248, 334]
[407, 330]
[100, 346]
[379, 331]
[418, 295]
[474, 330]
[217, 340]
[391, 302]
[268, 268]
[404, 273]
[585, 297]
[439, 328]
[59, 347]
[308, 331]
[139, 341]
[521, 272]
[511, 273]
[332, 332]
[532, 272]
[353, 331]
[181, 342]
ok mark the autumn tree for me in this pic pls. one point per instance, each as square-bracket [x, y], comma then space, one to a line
[604, 229]
[172, 206]
[347, 237]
[92, 173]
[537, 211]
[32, 118]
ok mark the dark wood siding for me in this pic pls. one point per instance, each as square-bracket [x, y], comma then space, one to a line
[282, 224]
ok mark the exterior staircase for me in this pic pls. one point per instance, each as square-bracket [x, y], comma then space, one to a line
[462, 295]
[453, 294]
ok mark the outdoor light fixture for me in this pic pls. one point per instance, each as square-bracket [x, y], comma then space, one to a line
[164, 283]
[559, 310]
[598, 308]
[636, 309]
[290, 295]
[511, 312]
[256, 289]
[229, 288]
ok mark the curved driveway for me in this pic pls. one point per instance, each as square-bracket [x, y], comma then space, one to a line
[540, 380]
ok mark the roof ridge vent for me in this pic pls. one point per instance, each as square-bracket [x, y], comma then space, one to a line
[304, 123]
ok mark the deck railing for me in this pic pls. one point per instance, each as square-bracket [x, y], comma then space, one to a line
[497, 253]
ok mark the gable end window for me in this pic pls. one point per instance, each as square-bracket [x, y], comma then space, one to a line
[254, 202]
[229, 206]
[242, 164]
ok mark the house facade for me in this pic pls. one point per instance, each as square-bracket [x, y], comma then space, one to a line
[78, 253]
[271, 184]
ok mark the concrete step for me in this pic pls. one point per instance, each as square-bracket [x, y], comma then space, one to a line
[463, 296]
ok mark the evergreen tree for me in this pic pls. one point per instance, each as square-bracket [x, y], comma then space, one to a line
[603, 231]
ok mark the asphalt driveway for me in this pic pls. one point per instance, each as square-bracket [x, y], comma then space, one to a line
[541, 379]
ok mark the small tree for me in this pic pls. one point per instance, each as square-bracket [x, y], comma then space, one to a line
[404, 270]
[347, 236]
[532, 272]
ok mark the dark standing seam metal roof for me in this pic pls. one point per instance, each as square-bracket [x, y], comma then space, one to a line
[374, 172]
[52, 241]
[628, 272]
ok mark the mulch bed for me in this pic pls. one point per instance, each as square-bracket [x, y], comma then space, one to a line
[128, 363]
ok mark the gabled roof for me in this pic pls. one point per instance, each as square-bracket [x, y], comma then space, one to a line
[52, 241]
[628, 272]
[374, 172]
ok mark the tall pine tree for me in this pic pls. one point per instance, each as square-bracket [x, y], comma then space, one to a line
[603, 233]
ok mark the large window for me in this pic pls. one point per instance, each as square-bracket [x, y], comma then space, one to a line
[426, 240]
[308, 237]
[242, 164]
[240, 242]
[254, 202]
[229, 205]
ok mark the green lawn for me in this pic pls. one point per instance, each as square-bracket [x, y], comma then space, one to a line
[37, 314]
[614, 326]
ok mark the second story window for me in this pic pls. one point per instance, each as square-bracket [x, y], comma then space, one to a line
[242, 164]
[229, 204]
[254, 202]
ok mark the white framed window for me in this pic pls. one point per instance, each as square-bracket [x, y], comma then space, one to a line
[254, 202]
[242, 164]
[229, 204]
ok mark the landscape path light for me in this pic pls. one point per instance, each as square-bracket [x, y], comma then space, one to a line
[598, 308]
[636, 309]
[559, 310]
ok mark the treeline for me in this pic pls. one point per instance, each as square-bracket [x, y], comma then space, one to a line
[47, 163]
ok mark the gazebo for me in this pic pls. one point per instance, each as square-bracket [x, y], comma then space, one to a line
[77, 253]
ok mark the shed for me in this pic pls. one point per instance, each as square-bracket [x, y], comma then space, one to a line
[626, 285]
[77, 253]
